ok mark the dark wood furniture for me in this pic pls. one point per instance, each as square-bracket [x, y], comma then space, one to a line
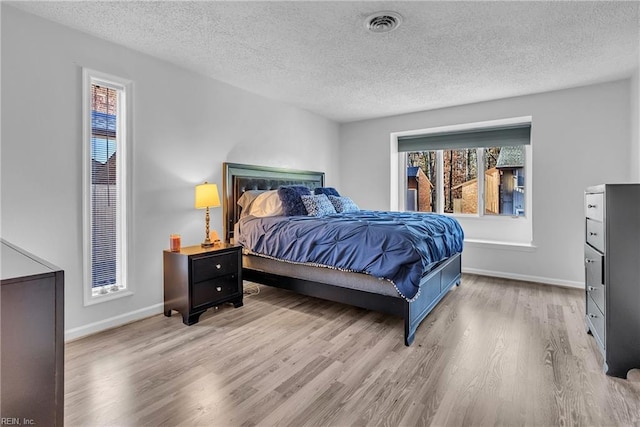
[32, 339]
[612, 274]
[198, 278]
[433, 287]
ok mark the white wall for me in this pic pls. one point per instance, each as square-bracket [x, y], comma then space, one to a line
[184, 127]
[580, 137]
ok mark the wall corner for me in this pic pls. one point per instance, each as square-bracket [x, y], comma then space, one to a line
[635, 126]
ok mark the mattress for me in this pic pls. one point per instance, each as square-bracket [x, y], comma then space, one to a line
[357, 281]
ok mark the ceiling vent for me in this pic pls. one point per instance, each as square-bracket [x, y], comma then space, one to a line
[383, 22]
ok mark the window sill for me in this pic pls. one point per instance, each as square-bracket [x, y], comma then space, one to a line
[506, 246]
[487, 217]
[97, 299]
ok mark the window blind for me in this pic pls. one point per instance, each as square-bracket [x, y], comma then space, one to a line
[503, 136]
[104, 186]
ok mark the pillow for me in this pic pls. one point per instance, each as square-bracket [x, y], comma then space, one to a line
[291, 201]
[267, 204]
[318, 205]
[329, 191]
[246, 200]
[343, 204]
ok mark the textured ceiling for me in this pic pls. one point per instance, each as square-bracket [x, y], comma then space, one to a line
[319, 56]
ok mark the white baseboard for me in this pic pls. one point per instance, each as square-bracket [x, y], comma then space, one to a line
[523, 277]
[122, 319]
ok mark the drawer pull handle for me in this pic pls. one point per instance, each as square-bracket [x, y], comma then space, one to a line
[219, 289]
[591, 233]
[592, 206]
[218, 266]
[589, 261]
[593, 316]
[591, 288]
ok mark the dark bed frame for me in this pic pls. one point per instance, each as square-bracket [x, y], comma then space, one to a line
[238, 178]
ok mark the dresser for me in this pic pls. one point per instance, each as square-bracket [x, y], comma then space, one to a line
[612, 274]
[197, 278]
[31, 339]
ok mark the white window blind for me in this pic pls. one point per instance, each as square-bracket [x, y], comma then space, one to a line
[104, 185]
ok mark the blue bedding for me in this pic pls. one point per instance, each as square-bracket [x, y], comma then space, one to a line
[398, 246]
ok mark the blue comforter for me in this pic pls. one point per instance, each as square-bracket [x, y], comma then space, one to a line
[397, 246]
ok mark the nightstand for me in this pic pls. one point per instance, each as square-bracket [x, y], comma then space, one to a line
[198, 278]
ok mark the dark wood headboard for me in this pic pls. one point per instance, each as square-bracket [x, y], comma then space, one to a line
[237, 178]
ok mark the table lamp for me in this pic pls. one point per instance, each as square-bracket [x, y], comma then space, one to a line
[207, 197]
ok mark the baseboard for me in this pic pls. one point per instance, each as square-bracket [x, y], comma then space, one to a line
[526, 278]
[122, 319]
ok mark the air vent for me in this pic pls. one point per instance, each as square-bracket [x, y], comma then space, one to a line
[383, 22]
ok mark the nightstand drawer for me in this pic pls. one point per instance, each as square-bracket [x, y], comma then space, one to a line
[594, 206]
[210, 267]
[595, 234]
[213, 291]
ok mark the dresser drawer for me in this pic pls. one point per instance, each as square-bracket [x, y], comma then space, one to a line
[594, 206]
[593, 261]
[595, 234]
[594, 273]
[212, 292]
[596, 319]
[210, 267]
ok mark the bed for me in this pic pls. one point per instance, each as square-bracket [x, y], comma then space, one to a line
[315, 279]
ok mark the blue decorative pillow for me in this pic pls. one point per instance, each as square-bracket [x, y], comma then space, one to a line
[318, 205]
[343, 204]
[291, 201]
[329, 191]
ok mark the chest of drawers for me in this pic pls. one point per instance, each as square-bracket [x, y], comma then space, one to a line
[612, 274]
[197, 278]
[31, 339]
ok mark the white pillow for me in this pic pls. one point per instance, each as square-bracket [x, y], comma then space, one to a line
[267, 204]
[246, 200]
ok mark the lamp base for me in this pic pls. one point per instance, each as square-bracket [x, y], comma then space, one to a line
[208, 243]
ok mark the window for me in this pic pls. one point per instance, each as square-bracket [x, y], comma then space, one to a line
[480, 172]
[105, 186]
[501, 192]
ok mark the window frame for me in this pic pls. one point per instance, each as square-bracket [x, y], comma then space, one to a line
[484, 229]
[123, 138]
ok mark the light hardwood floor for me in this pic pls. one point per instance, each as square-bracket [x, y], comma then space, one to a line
[494, 352]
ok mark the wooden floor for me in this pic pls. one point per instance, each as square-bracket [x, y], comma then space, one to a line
[494, 352]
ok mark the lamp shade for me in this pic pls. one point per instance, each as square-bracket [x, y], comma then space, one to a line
[207, 196]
